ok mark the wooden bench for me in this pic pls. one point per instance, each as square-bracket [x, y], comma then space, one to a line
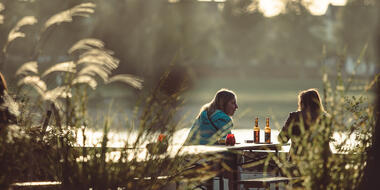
[264, 182]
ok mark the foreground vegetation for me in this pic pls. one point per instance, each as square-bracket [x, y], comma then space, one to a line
[42, 146]
[351, 115]
[45, 149]
[50, 115]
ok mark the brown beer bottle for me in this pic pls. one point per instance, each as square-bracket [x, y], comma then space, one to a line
[267, 132]
[256, 131]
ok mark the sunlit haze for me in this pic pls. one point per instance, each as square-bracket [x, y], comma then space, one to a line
[316, 7]
[274, 7]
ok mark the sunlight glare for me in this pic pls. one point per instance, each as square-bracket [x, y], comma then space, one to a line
[217, 1]
[317, 7]
[271, 8]
[338, 2]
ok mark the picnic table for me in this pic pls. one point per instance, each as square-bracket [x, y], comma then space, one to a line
[232, 153]
[238, 151]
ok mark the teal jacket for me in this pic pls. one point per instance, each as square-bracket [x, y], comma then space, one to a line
[203, 132]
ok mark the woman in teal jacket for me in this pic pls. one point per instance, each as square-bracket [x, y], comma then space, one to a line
[214, 119]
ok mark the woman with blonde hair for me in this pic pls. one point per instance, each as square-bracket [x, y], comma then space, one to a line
[214, 119]
[298, 126]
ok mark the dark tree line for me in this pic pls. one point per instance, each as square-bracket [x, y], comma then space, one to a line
[148, 36]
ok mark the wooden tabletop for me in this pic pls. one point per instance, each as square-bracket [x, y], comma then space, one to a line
[178, 150]
[194, 149]
[255, 146]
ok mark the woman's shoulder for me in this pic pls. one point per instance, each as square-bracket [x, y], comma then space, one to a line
[295, 114]
[204, 112]
[219, 114]
[203, 115]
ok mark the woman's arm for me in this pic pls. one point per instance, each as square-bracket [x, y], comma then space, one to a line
[284, 136]
[223, 123]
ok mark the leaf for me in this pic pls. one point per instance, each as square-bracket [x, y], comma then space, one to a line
[15, 31]
[35, 82]
[86, 44]
[85, 79]
[68, 66]
[128, 79]
[27, 67]
[83, 10]
[372, 83]
[340, 87]
[93, 70]
[325, 77]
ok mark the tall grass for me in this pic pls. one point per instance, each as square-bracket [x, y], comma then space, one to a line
[349, 115]
[82, 167]
[43, 144]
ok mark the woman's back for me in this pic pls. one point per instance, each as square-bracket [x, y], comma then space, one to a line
[307, 125]
[208, 129]
[214, 119]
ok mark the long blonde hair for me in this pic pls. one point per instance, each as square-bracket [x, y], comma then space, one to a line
[220, 100]
[310, 104]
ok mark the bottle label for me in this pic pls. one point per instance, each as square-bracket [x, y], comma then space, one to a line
[256, 136]
[267, 137]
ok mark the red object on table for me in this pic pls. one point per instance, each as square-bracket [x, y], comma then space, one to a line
[230, 140]
[161, 137]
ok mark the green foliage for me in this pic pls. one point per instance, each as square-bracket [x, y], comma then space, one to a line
[44, 144]
[350, 116]
[83, 167]
[352, 32]
[36, 151]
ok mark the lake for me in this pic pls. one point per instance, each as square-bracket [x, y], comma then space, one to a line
[118, 139]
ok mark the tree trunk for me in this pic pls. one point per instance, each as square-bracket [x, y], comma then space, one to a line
[371, 172]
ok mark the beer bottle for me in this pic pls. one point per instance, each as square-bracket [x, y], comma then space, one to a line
[267, 132]
[256, 131]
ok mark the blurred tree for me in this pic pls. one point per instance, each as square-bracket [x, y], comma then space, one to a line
[293, 38]
[355, 28]
[370, 177]
[199, 33]
[205, 36]
[244, 34]
[298, 35]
